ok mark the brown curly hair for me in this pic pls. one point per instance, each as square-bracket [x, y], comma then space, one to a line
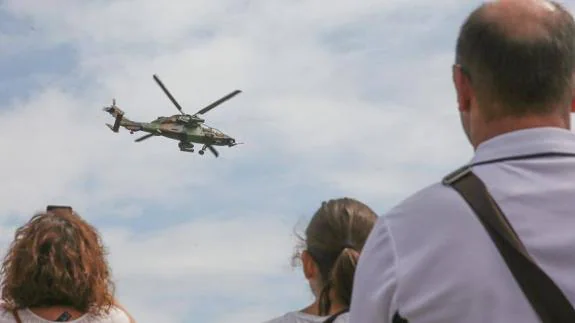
[57, 259]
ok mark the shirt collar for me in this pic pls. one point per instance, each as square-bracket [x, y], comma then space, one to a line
[525, 142]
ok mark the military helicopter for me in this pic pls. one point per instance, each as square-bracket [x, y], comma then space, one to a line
[187, 129]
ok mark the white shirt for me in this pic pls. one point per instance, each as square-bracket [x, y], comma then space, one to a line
[116, 316]
[299, 317]
[431, 260]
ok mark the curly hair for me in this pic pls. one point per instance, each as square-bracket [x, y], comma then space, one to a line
[57, 259]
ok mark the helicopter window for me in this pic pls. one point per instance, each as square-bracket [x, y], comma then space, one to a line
[216, 131]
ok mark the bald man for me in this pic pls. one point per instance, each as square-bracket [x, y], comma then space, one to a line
[429, 259]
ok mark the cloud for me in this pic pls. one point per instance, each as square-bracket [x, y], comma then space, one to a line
[348, 99]
[205, 264]
[210, 247]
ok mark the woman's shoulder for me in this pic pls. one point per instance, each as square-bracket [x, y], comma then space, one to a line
[298, 317]
[6, 316]
[342, 318]
[116, 315]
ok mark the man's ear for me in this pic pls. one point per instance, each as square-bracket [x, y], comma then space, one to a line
[462, 88]
[309, 267]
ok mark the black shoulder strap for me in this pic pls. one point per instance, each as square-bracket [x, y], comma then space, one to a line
[332, 318]
[398, 318]
[546, 298]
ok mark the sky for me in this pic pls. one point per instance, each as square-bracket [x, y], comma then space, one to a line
[353, 99]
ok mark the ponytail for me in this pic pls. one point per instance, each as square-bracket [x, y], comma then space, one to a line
[339, 279]
[343, 273]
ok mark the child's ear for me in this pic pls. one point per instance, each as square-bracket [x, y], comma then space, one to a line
[309, 267]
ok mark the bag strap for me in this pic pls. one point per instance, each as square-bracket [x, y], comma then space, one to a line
[545, 297]
[16, 316]
[332, 318]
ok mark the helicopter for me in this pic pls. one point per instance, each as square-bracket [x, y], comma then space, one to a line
[187, 129]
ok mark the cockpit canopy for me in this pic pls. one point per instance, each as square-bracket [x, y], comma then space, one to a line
[215, 132]
[188, 118]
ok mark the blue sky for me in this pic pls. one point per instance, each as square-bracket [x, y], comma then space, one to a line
[353, 99]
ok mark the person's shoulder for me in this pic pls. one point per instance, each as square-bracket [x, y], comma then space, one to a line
[284, 318]
[5, 315]
[434, 198]
[425, 218]
[279, 319]
[116, 315]
[433, 209]
[297, 317]
[342, 318]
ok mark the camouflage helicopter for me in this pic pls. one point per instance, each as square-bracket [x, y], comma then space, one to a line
[187, 129]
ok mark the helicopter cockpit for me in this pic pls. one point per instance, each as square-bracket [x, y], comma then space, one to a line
[215, 132]
[187, 119]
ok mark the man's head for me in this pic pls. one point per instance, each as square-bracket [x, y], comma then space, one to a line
[515, 60]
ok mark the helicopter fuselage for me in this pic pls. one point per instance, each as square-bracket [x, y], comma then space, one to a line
[192, 132]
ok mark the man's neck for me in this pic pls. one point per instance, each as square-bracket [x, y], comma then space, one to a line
[502, 126]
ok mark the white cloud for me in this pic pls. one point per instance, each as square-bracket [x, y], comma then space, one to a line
[335, 99]
[243, 245]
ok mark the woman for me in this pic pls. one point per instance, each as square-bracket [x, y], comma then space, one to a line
[334, 238]
[55, 270]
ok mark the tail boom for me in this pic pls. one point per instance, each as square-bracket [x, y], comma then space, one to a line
[120, 121]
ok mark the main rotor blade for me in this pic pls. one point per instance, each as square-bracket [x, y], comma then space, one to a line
[213, 150]
[144, 137]
[218, 102]
[157, 79]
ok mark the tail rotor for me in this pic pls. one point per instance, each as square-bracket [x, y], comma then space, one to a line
[116, 113]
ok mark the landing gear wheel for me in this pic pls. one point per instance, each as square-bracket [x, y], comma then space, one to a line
[201, 152]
